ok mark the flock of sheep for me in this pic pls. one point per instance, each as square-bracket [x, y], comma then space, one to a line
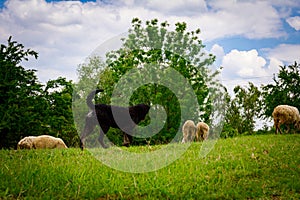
[191, 131]
[282, 114]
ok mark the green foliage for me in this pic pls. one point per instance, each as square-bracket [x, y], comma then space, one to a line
[155, 48]
[242, 110]
[284, 91]
[88, 79]
[19, 88]
[255, 167]
[26, 106]
[251, 103]
[59, 115]
[229, 131]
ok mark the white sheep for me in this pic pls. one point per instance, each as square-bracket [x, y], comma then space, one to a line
[285, 114]
[26, 142]
[189, 131]
[202, 131]
[41, 142]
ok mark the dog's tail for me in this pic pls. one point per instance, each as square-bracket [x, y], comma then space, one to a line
[90, 97]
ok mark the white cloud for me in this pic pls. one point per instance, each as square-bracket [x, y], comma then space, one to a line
[175, 7]
[273, 67]
[241, 67]
[178, 7]
[217, 50]
[243, 64]
[294, 22]
[64, 33]
[286, 53]
[252, 19]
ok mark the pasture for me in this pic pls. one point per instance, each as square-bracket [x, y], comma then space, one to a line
[249, 167]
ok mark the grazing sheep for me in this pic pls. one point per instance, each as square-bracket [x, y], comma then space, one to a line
[41, 142]
[202, 131]
[26, 142]
[189, 131]
[285, 114]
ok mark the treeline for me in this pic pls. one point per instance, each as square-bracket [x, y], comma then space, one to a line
[58, 107]
[251, 104]
[28, 107]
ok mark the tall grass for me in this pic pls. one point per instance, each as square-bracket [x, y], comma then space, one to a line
[250, 167]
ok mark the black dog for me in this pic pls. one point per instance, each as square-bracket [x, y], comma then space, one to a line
[102, 114]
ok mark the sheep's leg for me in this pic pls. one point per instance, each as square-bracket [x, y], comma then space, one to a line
[279, 123]
[276, 125]
[288, 129]
[193, 136]
[189, 137]
[184, 139]
[204, 136]
[201, 135]
[197, 137]
[279, 129]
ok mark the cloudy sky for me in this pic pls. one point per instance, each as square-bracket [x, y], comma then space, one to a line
[250, 38]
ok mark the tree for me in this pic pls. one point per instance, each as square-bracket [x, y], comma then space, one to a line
[19, 88]
[28, 107]
[243, 109]
[232, 119]
[284, 90]
[59, 116]
[88, 74]
[153, 48]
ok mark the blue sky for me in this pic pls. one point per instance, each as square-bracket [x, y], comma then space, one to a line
[250, 38]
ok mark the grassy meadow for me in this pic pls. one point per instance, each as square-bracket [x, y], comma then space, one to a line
[249, 167]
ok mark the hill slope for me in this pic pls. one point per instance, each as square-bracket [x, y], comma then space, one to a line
[251, 167]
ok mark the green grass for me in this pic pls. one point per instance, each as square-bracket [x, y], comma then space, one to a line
[251, 167]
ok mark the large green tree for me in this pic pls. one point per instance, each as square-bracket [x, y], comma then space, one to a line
[19, 88]
[26, 106]
[58, 116]
[284, 90]
[153, 47]
[242, 111]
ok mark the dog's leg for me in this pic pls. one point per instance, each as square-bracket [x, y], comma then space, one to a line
[88, 128]
[101, 140]
[127, 135]
[103, 131]
[127, 139]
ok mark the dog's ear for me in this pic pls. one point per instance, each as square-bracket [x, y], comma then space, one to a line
[147, 108]
[143, 110]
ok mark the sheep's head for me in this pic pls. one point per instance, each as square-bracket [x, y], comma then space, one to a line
[25, 143]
